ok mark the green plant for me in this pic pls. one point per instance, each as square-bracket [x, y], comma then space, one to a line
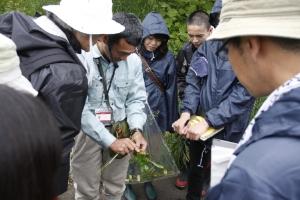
[142, 168]
[178, 148]
[257, 104]
[29, 7]
[175, 13]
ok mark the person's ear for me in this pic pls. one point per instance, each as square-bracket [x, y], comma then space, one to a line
[253, 46]
[105, 39]
[211, 29]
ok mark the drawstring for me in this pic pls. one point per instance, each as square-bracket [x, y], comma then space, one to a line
[205, 150]
[153, 57]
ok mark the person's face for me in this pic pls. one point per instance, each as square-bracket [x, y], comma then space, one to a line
[197, 34]
[84, 40]
[151, 43]
[121, 50]
[250, 72]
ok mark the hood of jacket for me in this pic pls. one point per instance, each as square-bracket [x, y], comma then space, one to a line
[154, 24]
[35, 47]
[280, 120]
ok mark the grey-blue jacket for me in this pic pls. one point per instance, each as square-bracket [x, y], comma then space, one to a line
[214, 92]
[267, 166]
[127, 95]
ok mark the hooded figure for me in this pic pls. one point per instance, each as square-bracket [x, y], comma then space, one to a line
[162, 100]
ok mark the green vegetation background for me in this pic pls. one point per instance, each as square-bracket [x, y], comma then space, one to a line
[174, 12]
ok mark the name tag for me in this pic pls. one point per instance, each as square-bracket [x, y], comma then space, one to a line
[104, 115]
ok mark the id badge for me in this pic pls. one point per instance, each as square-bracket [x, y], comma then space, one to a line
[104, 115]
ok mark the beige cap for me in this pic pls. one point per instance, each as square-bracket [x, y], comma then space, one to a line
[10, 73]
[278, 18]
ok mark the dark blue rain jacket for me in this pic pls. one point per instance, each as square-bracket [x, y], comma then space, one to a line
[214, 92]
[163, 104]
[267, 166]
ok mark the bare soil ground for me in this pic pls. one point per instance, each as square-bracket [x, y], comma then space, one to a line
[165, 189]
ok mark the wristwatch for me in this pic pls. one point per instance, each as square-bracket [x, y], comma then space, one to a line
[132, 131]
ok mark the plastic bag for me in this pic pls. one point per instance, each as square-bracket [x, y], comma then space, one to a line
[221, 153]
[157, 162]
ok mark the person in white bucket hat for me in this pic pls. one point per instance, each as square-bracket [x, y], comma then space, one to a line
[262, 38]
[47, 48]
[10, 73]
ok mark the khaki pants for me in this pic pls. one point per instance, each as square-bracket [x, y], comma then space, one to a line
[87, 159]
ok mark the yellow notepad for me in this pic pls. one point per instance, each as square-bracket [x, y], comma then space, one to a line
[209, 133]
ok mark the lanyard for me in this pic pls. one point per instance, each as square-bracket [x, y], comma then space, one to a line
[106, 90]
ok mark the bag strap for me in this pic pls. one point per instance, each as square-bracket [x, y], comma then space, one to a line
[152, 75]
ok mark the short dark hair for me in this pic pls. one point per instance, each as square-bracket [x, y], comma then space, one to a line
[287, 43]
[30, 147]
[199, 18]
[214, 19]
[133, 29]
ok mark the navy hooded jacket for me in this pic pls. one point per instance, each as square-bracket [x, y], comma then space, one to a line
[214, 92]
[267, 166]
[54, 70]
[163, 104]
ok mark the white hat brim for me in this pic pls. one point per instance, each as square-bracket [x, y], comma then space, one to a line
[286, 27]
[85, 22]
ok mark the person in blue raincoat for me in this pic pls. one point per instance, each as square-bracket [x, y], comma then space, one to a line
[214, 92]
[154, 50]
[162, 96]
[265, 55]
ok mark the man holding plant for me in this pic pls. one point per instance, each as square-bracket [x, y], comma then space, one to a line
[116, 95]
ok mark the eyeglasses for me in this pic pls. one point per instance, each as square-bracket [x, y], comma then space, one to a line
[223, 50]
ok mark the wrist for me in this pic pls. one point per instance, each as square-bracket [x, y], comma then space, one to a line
[134, 130]
[185, 115]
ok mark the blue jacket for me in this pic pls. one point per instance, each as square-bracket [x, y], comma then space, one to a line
[214, 92]
[267, 166]
[163, 105]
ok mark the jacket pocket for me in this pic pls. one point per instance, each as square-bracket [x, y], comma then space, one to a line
[95, 91]
[121, 92]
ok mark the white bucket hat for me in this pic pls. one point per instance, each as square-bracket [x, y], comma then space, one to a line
[277, 18]
[87, 16]
[10, 73]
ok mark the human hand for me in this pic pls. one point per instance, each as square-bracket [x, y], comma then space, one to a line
[180, 125]
[140, 142]
[196, 129]
[122, 146]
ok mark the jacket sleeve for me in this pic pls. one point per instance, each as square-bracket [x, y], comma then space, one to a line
[238, 184]
[136, 98]
[238, 102]
[191, 93]
[171, 94]
[95, 129]
[63, 87]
